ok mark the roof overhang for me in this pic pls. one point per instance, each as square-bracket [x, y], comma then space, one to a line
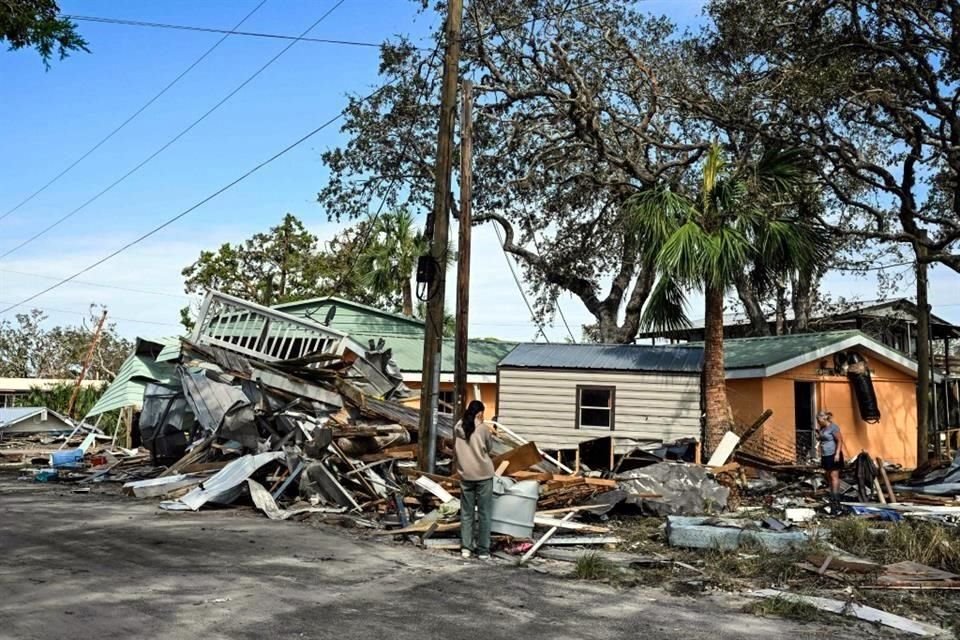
[472, 378]
[888, 355]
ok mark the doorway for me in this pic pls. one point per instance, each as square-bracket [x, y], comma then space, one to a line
[804, 402]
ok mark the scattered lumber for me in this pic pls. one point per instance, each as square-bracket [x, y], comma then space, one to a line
[854, 610]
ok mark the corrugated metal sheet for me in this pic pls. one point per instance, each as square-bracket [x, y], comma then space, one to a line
[127, 388]
[606, 357]
[542, 405]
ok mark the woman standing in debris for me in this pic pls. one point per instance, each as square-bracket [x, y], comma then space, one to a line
[471, 448]
[831, 455]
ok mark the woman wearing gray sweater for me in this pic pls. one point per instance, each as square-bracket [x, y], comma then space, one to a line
[472, 440]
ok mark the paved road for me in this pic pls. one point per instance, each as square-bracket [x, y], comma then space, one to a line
[103, 566]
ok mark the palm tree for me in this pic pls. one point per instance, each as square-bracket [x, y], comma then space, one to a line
[388, 262]
[740, 217]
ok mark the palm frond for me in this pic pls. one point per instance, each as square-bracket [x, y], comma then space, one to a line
[782, 170]
[656, 214]
[666, 308]
[727, 252]
[712, 172]
[682, 256]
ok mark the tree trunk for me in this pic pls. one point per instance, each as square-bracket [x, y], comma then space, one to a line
[747, 295]
[407, 298]
[718, 417]
[802, 294]
[781, 312]
[923, 359]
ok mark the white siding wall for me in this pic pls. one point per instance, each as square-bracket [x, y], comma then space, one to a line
[541, 405]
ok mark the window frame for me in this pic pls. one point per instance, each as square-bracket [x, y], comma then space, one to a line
[612, 408]
[440, 403]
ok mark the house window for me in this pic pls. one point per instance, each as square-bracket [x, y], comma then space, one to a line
[445, 403]
[595, 407]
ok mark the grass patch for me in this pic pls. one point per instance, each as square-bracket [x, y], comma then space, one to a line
[925, 542]
[784, 608]
[593, 566]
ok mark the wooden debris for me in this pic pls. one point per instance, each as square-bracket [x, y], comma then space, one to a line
[886, 480]
[854, 610]
[543, 539]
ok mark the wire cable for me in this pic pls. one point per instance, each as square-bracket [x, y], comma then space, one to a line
[250, 79]
[112, 317]
[516, 279]
[188, 210]
[98, 284]
[234, 32]
[134, 116]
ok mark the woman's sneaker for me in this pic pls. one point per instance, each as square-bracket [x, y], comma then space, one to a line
[483, 556]
[465, 553]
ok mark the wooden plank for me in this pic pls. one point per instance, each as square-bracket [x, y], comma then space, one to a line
[543, 540]
[427, 484]
[502, 468]
[532, 475]
[519, 459]
[854, 610]
[601, 482]
[547, 521]
[886, 480]
[724, 450]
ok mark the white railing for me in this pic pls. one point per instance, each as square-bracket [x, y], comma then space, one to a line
[261, 332]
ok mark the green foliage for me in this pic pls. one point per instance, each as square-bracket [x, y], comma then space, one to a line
[593, 566]
[738, 218]
[285, 264]
[781, 607]
[917, 541]
[37, 24]
[57, 398]
[390, 258]
[28, 349]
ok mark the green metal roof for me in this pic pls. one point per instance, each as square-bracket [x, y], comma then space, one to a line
[127, 388]
[353, 317]
[750, 353]
[483, 356]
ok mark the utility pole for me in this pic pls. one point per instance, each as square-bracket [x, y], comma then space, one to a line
[463, 252]
[923, 358]
[438, 230]
[86, 364]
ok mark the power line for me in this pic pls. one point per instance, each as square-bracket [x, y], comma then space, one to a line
[879, 267]
[112, 317]
[99, 284]
[174, 139]
[516, 279]
[234, 32]
[131, 118]
[187, 211]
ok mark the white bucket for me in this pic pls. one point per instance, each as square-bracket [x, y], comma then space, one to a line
[514, 506]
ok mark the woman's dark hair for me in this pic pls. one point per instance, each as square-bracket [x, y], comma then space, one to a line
[469, 422]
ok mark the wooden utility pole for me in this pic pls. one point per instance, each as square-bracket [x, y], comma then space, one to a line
[438, 230]
[463, 250]
[86, 364]
[923, 358]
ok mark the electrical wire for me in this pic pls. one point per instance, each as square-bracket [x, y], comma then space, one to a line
[516, 279]
[134, 116]
[174, 139]
[190, 209]
[234, 32]
[99, 284]
[112, 317]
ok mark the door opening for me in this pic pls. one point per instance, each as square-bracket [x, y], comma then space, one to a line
[803, 395]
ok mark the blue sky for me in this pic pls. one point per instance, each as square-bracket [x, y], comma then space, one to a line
[51, 118]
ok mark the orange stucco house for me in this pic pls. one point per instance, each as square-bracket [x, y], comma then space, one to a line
[796, 376]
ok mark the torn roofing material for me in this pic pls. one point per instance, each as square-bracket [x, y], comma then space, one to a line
[225, 486]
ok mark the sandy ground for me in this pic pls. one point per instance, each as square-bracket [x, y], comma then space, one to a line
[102, 566]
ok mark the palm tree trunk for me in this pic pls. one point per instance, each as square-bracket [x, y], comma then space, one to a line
[407, 298]
[718, 417]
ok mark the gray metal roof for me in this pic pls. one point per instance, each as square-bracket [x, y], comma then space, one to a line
[607, 357]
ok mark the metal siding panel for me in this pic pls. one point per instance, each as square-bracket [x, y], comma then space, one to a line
[648, 406]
